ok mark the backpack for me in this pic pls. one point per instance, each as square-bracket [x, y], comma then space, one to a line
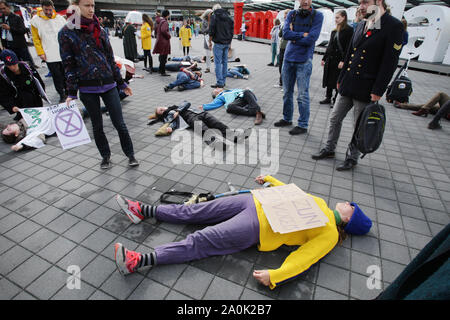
[401, 87]
[369, 129]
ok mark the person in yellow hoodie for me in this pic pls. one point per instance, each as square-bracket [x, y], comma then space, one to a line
[185, 37]
[239, 223]
[45, 26]
[146, 38]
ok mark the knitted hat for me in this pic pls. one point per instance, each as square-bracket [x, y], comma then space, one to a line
[359, 223]
[9, 57]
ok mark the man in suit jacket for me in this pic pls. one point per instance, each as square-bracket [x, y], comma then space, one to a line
[370, 62]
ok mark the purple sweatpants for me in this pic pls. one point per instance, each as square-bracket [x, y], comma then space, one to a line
[236, 228]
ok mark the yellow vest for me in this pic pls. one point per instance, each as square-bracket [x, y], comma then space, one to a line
[314, 243]
[146, 36]
[185, 35]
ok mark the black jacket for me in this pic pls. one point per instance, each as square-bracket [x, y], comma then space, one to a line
[334, 55]
[221, 27]
[17, 30]
[371, 59]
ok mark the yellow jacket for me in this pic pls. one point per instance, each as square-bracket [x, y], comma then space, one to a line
[185, 36]
[146, 36]
[314, 243]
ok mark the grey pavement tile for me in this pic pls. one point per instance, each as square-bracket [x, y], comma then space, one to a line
[79, 256]
[166, 274]
[46, 216]
[235, 269]
[392, 234]
[83, 293]
[416, 225]
[80, 231]
[16, 203]
[57, 249]
[296, 290]
[117, 223]
[361, 262]
[211, 264]
[363, 288]
[12, 258]
[339, 257]
[8, 289]
[391, 270]
[394, 252]
[62, 223]
[159, 237]
[138, 232]
[333, 278]
[366, 244]
[39, 240]
[10, 221]
[28, 271]
[254, 285]
[98, 270]
[411, 211]
[100, 295]
[149, 290]
[193, 282]
[326, 294]
[417, 241]
[174, 295]
[99, 240]
[121, 287]
[221, 289]
[100, 216]
[248, 294]
[32, 208]
[24, 296]
[83, 208]
[48, 283]
[5, 244]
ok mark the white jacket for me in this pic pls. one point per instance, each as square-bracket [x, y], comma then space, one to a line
[45, 35]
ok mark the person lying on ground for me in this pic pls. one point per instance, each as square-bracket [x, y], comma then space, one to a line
[16, 133]
[183, 117]
[186, 80]
[175, 67]
[236, 101]
[432, 106]
[238, 72]
[444, 111]
[237, 223]
[189, 59]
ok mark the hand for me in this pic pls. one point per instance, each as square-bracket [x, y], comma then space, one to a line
[341, 65]
[68, 100]
[374, 97]
[262, 276]
[169, 129]
[337, 86]
[43, 57]
[305, 34]
[5, 26]
[17, 147]
[201, 107]
[15, 109]
[176, 114]
[128, 91]
[260, 179]
[322, 63]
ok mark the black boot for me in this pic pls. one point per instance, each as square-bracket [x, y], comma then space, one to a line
[348, 164]
[325, 101]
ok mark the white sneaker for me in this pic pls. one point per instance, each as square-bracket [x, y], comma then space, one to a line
[131, 208]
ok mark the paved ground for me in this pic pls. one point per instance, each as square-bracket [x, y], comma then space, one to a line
[57, 207]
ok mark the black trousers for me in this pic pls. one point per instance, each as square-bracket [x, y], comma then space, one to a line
[246, 106]
[186, 51]
[148, 55]
[208, 121]
[280, 63]
[57, 71]
[162, 63]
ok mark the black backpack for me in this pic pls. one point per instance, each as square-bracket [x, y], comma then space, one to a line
[401, 87]
[369, 129]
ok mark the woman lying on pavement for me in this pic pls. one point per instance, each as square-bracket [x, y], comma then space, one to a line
[235, 224]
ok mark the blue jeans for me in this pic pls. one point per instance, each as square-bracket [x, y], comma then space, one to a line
[112, 102]
[234, 72]
[221, 62]
[300, 72]
[274, 52]
[184, 80]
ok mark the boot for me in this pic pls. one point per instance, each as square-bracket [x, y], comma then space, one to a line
[421, 112]
[434, 125]
[259, 117]
[325, 101]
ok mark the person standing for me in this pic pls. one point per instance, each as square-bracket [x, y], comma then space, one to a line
[302, 28]
[45, 26]
[221, 33]
[243, 29]
[333, 59]
[129, 42]
[13, 33]
[185, 38]
[206, 16]
[283, 44]
[146, 38]
[90, 67]
[371, 60]
[162, 46]
[274, 38]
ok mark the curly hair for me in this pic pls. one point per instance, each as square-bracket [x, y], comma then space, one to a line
[342, 234]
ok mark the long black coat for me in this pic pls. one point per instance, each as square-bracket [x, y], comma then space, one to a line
[334, 55]
[371, 59]
[129, 42]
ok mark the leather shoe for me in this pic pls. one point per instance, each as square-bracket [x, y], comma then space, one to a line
[298, 130]
[324, 153]
[325, 101]
[348, 164]
[282, 123]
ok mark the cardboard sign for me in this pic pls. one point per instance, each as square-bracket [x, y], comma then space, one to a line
[69, 125]
[290, 209]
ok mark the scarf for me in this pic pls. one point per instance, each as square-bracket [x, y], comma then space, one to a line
[89, 26]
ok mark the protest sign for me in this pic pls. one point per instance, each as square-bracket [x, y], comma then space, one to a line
[290, 209]
[39, 122]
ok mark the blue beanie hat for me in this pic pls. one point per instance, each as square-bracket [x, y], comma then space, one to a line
[359, 223]
[9, 57]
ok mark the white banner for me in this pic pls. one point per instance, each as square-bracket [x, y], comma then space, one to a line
[39, 122]
[69, 125]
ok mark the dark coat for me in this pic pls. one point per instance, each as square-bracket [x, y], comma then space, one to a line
[129, 42]
[333, 56]
[371, 59]
[22, 90]
[162, 45]
[17, 29]
[221, 27]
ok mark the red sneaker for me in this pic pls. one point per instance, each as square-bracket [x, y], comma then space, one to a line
[126, 260]
[131, 208]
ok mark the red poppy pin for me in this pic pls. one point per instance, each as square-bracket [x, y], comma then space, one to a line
[9, 58]
[368, 33]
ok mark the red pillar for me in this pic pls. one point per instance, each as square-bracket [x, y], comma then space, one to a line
[238, 10]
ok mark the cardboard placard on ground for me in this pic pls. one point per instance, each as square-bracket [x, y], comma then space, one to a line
[290, 209]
